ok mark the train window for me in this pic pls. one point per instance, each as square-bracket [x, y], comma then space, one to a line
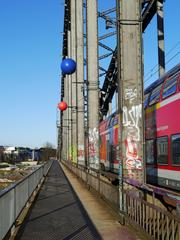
[170, 86]
[111, 121]
[162, 150]
[107, 123]
[150, 151]
[155, 95]
[100, 140]
[175, 148]
[115, 121]
[146, 98]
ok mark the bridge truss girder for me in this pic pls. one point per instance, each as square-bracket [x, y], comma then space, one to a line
[149, 9]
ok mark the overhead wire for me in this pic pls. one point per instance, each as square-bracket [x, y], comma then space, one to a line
[151, 72]
[168, 61]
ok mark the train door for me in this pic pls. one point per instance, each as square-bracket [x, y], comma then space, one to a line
[151, 166]
[107, 152]
[111, 150]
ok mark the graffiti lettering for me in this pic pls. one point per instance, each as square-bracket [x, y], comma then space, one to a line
[80, 153]
[133, 161]
[132, 115]
[93, 135]
[131, 119]
[93, 146]
[130, 94]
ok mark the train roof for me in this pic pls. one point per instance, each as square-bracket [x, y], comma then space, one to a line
[161, 79]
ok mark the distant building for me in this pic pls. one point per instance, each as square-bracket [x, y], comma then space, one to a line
[9, 150]
[36, 154]
[17, 154]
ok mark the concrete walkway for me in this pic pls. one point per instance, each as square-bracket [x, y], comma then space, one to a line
[100, 213]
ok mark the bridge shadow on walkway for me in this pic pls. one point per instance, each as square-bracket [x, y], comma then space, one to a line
[57, 212]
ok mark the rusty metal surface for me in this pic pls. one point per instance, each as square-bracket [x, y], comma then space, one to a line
[57, 212]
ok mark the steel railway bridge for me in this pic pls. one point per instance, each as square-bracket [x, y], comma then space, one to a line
[72, 197]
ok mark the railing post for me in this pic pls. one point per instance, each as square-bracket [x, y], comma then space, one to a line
[13, 227]
[178, 209]
[27, 204]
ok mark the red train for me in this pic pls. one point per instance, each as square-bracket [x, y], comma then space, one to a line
[162, 133]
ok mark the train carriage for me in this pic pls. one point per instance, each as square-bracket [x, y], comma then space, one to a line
[108, 143]
[162, 133]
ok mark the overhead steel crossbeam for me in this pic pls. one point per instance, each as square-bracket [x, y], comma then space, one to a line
[104, 14]
[107, 35]
[110, 80]
[149, 10]
[104, 56]
[105, 47]
[110, 22]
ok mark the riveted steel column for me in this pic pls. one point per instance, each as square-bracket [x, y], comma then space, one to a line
[64, 135]
[80, 81]
[63, 139]
[93, 85]
[74, 85]
[65, 114]
[69, 110]
[160, 25]
[130, 88]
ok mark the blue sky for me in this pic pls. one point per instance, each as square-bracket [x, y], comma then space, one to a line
[172, 41]
[30, 48]
[30, 57]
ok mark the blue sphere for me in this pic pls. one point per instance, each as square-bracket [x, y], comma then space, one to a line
[68, 66]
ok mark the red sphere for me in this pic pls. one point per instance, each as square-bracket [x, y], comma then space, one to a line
[62, 106]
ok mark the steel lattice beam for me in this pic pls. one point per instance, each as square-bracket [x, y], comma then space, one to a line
[108, 88]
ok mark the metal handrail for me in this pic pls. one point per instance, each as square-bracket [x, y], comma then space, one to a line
[14, 198]
[13, 185]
